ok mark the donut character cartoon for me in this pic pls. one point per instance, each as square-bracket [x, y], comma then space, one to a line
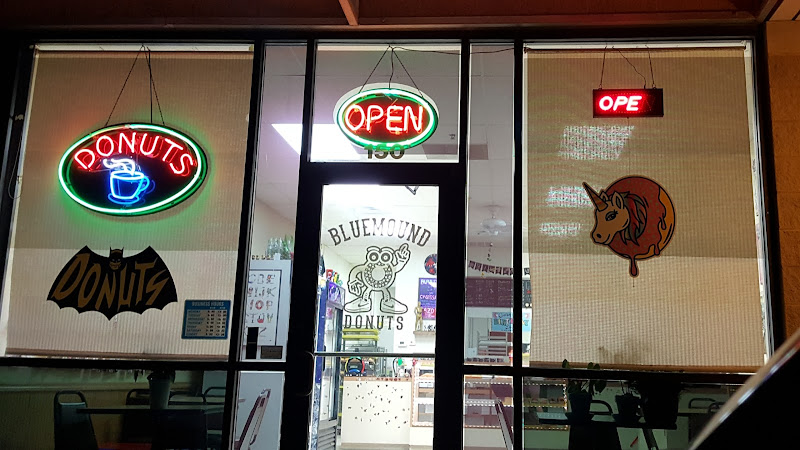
[634, 217]
[372, 280]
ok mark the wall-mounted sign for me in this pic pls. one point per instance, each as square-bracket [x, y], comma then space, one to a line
[628, 102]
[114, 284]
[634, 217]
[383, 118]
[132, 169]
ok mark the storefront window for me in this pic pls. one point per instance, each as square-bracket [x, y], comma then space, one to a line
[489, 284]
[623, 414]
[258, 410]
[128, 202]
[88, 408]
[644, 226]
[266, 309]
[386, 102]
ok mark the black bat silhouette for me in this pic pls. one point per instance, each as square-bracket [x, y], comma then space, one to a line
[114, 284]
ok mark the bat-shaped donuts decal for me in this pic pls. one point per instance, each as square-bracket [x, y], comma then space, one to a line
[114, 284]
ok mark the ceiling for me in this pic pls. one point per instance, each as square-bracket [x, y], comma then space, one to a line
[787, 10]
[378, 14]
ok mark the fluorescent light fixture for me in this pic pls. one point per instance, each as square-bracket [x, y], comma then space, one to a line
[568, 197]
[327, 144]
[560, 229]
[584, 142]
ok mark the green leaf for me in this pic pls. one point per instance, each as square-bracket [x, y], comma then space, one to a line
[565, 364]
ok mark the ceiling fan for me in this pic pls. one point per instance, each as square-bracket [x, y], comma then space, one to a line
[494, 226]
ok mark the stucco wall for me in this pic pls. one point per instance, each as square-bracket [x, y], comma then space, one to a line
[783, 47]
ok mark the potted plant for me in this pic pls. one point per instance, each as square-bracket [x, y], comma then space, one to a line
[580, 392]
[627, 405]
[160, 383]
[659, 402]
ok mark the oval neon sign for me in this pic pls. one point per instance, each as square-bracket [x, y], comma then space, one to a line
[386, 118]
[132, 169]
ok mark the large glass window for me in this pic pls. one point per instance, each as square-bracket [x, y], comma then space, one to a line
[89, 408]
[644, 232]
[386, 102]
[266, 308]
[128, 202]
[489, 282]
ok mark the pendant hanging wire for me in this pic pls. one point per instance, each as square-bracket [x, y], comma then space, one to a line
[374, 68]
[125, 83]
[634, 67]
[603, 68]
[152, 86]
[153, 91]
[652, 77]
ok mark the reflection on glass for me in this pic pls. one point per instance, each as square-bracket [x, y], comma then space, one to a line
[371, 402]
[266, 311]
[87, 408]
[488, 412]
[623, 415]
[489, 284]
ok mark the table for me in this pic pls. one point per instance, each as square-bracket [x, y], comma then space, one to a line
[600, 428]
[145, 409]
[177, 426]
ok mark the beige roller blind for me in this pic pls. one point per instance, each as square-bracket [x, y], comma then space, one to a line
[698, 305]
[203, 94]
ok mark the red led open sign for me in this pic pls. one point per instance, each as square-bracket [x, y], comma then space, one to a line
[628, 102]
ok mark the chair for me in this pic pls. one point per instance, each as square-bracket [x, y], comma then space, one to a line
[214, 422]
[218, 397]
[73, 430]
[136, 428]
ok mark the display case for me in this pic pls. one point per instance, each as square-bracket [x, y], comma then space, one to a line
[422, 391]
[541, 399]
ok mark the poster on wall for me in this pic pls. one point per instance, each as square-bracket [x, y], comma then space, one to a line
[268, 291]
[427, 298]
[258, 411]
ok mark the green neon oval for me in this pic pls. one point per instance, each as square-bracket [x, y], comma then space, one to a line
[180, 196]
[430, 108]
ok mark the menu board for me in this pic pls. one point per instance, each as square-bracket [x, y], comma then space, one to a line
[490, 292]
[206, 319]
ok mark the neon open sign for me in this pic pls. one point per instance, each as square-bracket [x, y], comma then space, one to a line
[628, 102]
[132, 169]
[386, 118]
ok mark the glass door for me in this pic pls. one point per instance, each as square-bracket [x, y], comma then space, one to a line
[376, 318]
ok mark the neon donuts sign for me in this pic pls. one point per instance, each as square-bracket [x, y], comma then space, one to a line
[386, 118]
[132, 169]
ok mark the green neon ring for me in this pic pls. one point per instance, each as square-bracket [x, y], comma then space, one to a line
[378, 145]
[180, 196]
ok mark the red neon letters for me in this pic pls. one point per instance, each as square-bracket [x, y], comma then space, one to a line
[628, 102]
[396, 119]
[149, 144]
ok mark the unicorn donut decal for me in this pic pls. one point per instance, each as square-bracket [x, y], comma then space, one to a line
[634, 217]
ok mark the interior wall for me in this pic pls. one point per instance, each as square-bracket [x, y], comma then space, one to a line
[267, 224]
[783, 48]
